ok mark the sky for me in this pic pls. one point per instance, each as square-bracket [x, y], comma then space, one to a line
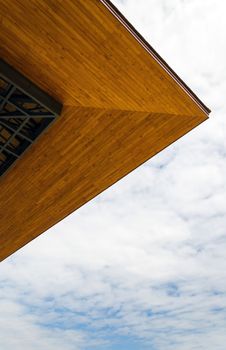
[142, 266]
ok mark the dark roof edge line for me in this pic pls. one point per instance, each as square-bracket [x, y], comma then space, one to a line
[113, 9]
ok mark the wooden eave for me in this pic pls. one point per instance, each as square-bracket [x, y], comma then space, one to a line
[122, 104]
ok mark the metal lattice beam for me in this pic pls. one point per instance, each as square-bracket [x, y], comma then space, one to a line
[25, 112]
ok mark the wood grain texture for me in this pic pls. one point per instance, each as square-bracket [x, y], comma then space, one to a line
[120, 108]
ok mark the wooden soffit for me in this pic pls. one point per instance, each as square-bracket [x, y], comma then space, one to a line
[122, 104]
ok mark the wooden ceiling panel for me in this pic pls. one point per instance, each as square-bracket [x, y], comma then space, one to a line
[121, 107]
[82, 55]
[70, 168]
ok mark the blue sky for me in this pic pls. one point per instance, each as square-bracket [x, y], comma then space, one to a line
[142, 266]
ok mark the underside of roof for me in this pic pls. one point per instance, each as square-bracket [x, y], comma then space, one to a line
[122, 104]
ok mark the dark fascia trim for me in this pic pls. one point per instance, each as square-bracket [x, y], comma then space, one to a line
[113, 9]
[11, 75]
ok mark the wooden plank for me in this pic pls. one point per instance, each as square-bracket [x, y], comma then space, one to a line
[120, 108]
[79, 53]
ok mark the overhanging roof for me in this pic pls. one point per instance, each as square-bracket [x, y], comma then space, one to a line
[122, 104]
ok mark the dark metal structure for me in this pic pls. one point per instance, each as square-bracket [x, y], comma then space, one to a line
[25, 112]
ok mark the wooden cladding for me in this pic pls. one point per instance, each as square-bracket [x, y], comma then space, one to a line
[121, 107]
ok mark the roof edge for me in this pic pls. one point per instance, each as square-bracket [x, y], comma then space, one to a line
[114, 10]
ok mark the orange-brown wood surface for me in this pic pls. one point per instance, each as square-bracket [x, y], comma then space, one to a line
[120, 108]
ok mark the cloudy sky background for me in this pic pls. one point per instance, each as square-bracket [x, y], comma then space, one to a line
[143, 265]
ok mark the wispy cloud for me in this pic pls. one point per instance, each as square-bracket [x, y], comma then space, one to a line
[143, 265]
